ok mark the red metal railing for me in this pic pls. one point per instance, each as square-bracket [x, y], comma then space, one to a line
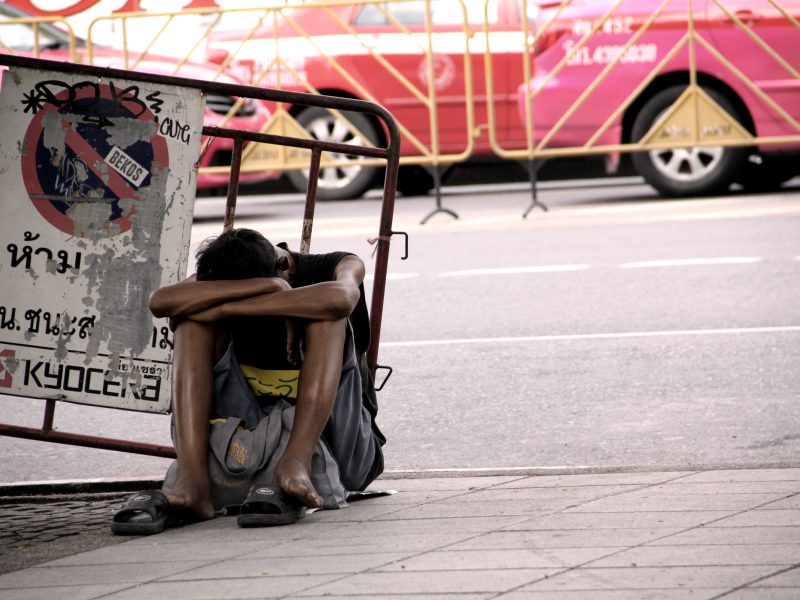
[391, 153]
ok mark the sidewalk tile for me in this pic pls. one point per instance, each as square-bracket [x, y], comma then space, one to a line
[790, 579]
[45, 575]
[676, 556]
[764, 594]
[577, 538]
[638, 594]
[400, 498]
[225, 530]
[792, 503]
[745, 475]
[435, 526]
[645, 502]
[733, 535]
[600, 479]
[445, 596]
[157, 552]
[561, 493]
[459, 484]
[500, 508]
[766, 518]
[429, 582]
[243, 567]
[694, 578]
[356, 544]
[622, 520]
[213, 589]
[83, 592]
[735, 487]
[528, 558]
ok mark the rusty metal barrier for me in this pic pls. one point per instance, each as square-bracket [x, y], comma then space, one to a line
[389, 154]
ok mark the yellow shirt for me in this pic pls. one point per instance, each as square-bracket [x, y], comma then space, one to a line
[272, 382]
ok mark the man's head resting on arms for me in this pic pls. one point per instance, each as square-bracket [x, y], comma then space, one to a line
[239, 254]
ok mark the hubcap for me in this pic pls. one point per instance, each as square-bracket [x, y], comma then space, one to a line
[329, 129]
[687, 164]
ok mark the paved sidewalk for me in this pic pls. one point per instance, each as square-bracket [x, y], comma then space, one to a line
[708, 534]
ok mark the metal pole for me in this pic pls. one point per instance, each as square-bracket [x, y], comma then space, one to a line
[533, 171]
[89, 441]
[311, 201]
[437, 182]
[49, 415]
[233, 184]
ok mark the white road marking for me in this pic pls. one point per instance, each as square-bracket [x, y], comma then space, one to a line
[692, 262]
[594, 336]
[512, 270]
[371, 276]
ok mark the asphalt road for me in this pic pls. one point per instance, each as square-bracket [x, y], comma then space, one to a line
[617, 329]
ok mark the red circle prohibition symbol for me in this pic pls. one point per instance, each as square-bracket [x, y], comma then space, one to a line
[64, 161]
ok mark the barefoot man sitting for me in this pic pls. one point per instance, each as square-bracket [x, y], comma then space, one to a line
[253, 310]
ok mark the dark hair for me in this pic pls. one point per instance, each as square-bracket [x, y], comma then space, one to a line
[236, 254]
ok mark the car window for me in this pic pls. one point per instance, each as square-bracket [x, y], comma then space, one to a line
[443, 12]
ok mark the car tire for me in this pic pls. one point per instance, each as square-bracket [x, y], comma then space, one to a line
[696, 171]
[769, 174]
[342, 182]
[414, 180]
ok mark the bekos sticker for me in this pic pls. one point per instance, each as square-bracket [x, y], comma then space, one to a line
[126, 166]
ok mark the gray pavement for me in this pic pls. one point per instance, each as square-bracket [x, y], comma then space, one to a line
[679, 534]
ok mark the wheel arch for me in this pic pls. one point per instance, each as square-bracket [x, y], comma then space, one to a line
[668, 80]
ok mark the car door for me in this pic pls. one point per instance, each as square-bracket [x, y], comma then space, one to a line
[761, 21]
[401, 77]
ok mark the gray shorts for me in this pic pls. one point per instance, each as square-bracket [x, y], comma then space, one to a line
[350, 433]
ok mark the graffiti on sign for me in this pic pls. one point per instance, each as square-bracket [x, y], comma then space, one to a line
[90, 148]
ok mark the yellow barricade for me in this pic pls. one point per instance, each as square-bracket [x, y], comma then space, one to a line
[519, 79]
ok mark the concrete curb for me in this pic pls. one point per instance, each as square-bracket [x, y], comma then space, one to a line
[132, 484]
[577, 470]
[79, 486]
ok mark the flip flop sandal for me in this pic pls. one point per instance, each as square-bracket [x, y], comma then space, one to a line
[144, 513]
[267, 506]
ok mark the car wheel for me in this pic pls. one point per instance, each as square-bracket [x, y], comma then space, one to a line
[685, 171]
[769, 173]
[339, 182]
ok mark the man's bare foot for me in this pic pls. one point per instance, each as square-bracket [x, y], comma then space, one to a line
[291, 475]
[188, 495]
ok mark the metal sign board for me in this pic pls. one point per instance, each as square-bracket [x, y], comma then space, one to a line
[97, 184]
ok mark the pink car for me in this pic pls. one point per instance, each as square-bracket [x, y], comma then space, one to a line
[674, 172]
[54, 45]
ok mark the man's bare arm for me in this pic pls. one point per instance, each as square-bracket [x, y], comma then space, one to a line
[191, 296]
[326, 301]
